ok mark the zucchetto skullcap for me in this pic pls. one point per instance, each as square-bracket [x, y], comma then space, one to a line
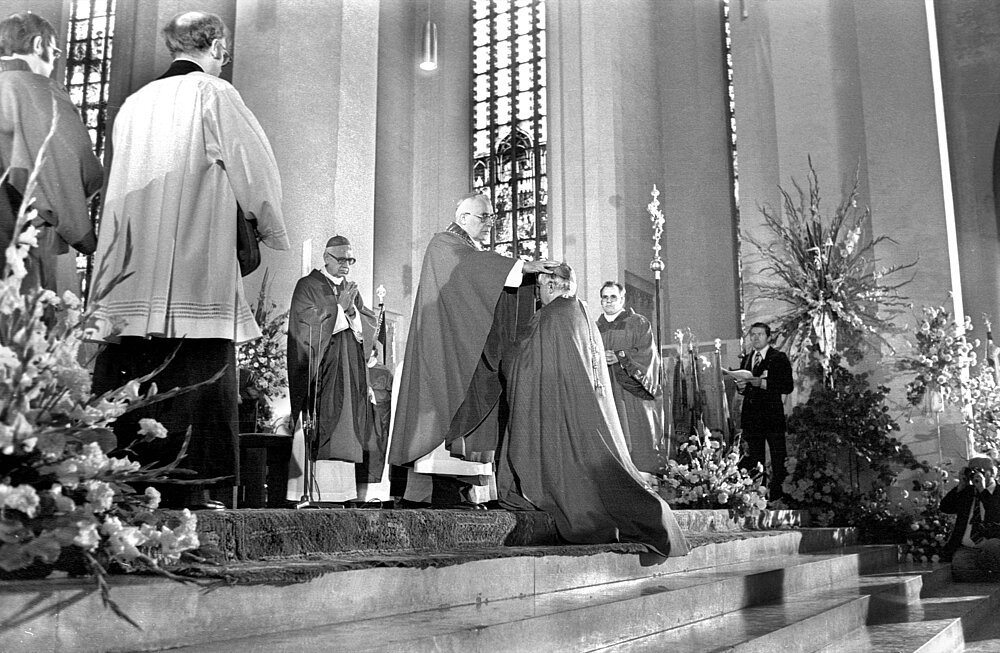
[338, 241]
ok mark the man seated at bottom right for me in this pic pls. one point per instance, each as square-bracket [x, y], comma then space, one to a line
[975, 541]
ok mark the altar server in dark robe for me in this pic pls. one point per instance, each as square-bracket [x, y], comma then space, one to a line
[566, 453]
[465, 315]
[32, 104]
[634, 367]
[327, 370]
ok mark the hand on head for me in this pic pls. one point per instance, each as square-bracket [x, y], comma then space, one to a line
[543, 266]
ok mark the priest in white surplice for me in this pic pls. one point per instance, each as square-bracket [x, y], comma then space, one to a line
[186, 150]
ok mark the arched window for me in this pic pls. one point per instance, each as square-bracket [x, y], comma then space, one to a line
[509, 131]
[88, 80]
[88, 63]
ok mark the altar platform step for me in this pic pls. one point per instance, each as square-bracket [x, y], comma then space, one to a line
[270, 533]
[260, 598]
[768, 604]
[803, 589]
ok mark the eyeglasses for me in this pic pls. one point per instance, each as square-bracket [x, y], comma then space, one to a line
[56, 52]
[609, 298]
[344, 261]
[488, 219]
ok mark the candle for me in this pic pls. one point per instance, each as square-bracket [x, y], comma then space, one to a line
[307, 245]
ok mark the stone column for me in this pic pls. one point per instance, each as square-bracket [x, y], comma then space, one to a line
[624, 118]
[424, 144]
[308, 70]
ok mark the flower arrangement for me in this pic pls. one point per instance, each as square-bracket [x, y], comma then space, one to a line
[64, 501]
[942, 358]
[982, 399]
[262, 361]
[918, 528]
[706, 474]
[822, 270]
[842, 448]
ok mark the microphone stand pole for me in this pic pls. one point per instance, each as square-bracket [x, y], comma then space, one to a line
[310, 431]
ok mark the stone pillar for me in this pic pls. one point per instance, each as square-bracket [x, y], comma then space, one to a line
[970, 69]
[911, 191]
[308, 71]
[424, 146]
[622, 119]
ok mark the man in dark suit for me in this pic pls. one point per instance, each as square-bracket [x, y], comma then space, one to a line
[763, 414]
[974, 544]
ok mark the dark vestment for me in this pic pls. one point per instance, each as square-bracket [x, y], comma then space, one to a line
[566, 454]
[463, 322]
[635, 382]
[69, 175]
[763, 415]
[210, 411]
[380, 381]
[336, 387]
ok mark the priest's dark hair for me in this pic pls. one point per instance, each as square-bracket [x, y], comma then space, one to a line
[192, 32]
[612, 284]
[18, 32]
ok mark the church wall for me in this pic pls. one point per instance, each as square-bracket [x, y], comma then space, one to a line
[847, 82]
[969, 33]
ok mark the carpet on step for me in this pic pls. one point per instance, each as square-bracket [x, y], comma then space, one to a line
[300, 569]
[260, 534]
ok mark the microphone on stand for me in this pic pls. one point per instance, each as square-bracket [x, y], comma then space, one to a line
[310, 425]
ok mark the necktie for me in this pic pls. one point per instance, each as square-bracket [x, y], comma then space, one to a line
[976, 520]
[756, 360]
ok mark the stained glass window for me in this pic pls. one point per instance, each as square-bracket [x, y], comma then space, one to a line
[88, 63]
[88, 75]
[508, 118]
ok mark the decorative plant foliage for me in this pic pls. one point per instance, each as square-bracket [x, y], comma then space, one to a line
[822, 270]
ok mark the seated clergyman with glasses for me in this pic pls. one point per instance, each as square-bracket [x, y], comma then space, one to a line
[467, 309]
[974, 544]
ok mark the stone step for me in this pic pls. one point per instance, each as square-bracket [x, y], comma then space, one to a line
[270, 533]
[799, 622]
[946, 615]
[65, 615]
[582, 619]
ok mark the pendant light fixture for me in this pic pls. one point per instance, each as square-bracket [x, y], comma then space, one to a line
[429, 49]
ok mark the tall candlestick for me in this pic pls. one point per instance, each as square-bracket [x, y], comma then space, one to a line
[307, 246]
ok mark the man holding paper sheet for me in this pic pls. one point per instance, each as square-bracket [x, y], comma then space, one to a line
[763, 414]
